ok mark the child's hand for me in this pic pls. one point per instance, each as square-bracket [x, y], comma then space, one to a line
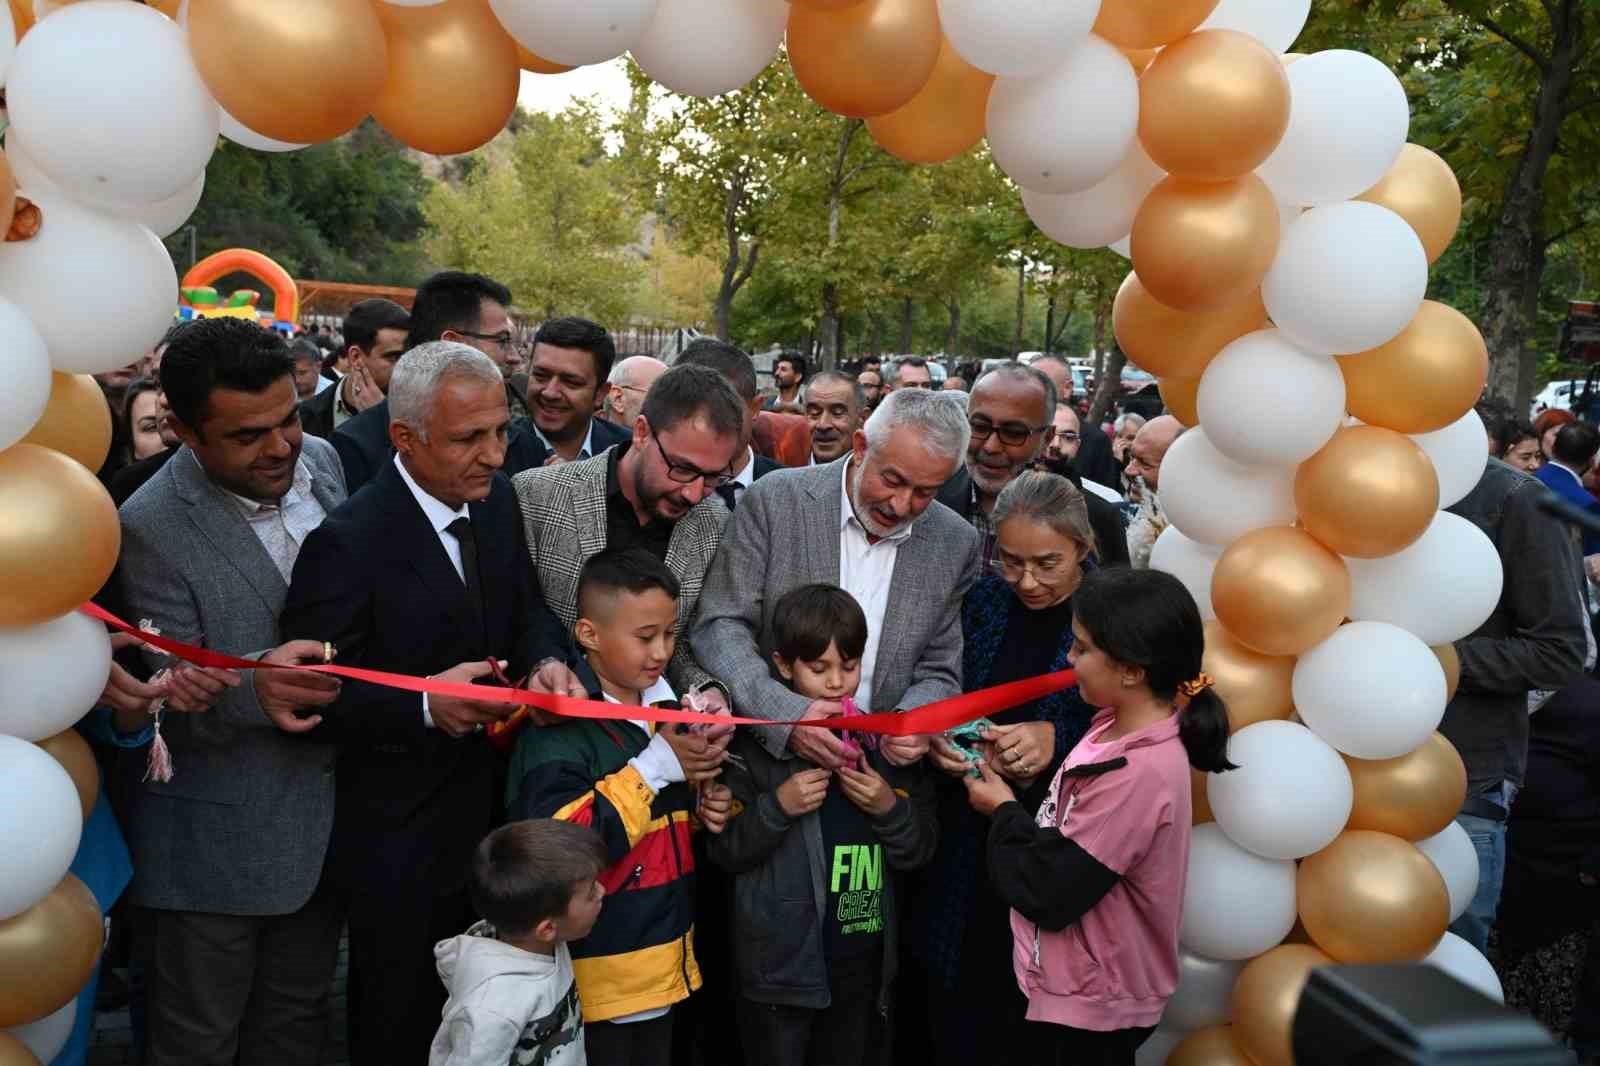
[716, 804]
[701, 761]
[867, 789]
[988, 792]
[903, 751]
[804, 792]
[946, 757]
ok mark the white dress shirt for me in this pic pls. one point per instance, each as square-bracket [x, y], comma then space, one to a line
[865, 570]
[746, 477]
[439, 516]
[283, 526]
[585, 452]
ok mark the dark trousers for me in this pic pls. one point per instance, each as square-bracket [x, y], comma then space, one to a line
[700, 1033]
[631, 1044]
[846, 1033]
[395, 995]
[225, 990]
[1060, 1045]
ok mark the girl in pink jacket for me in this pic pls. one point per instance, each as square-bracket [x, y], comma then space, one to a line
[1095, 880]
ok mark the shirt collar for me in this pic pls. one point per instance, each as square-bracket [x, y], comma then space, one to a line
[1562, 466]
[299, 489]
[585, 452]
[438, 513]
[847, 511]
[747, 476]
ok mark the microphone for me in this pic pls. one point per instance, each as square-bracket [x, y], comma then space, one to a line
[1568, 512]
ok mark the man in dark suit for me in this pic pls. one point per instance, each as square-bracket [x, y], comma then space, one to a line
[423, 572]
[1571, 456]
[374, 337]
[738, 370]
[1094, 459]
[468, 308]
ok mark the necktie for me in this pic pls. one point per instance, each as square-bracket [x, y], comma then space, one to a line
[461, 529]
[730, 493]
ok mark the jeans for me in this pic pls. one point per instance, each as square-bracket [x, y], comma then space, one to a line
[1489, 840]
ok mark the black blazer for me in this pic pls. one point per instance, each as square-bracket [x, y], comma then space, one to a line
[525, 451]
[1104, 517]
[1094, 459]
[316, 414]
[363, 445]
[374, 580]
[765, 466]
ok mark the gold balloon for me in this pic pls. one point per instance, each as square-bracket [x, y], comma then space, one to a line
[944, 119]
[1423, 380]
[1422, 189]
[1265, 998]
[1371, 897]
[1200, 797]
[1140, 58]
[1213, 106]
[48, 952]
[76, 422]
[1368, 493]
[59, 535]
[1411, 797]
[867, 59]
[75, 756]
[1451, 662]
[537, 64]
[1170, 343]
[1255, 687]
[1181, 397]
[8, 194]
[827, 5]
[1279, 591]
[453, 76]
[1216, 1046]
[295, 70]
[1205, 246]
[1149, 23]
[14, 1052]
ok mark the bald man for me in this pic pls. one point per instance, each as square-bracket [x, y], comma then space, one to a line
[1149, 449]
[630, 379]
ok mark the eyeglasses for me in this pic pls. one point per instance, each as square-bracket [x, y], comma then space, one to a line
[1045, 572]
[1063, 434]
[1010, 434]
[502, 339]
[687, 473]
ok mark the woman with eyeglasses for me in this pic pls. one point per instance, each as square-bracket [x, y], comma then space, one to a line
[1017, 623]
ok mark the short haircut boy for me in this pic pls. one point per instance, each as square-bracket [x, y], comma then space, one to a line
[526, 872]
[630, 570]
[809, 618]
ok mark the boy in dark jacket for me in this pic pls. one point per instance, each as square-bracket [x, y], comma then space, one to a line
[814, 911]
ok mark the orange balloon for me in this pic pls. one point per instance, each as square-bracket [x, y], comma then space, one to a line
[1204, 246]
[1279, 591]
[73, 753]
[8, 194]
[14, 1052]
[1255, 687]
[1372, 898]
[1368, 493]
[76, 422]
[1450, 660]
[1149, 23]
[866, 59]
[1422, 380]
[1422, 189]
[1171, 343]
[1199, 797]
[1265, 998]
[59, 535]
[537, 64]
[944, 119]
[1181, 396]
[1213, 106]
[826, 5]
[1140, 58]
[48, 952]
[1216, 1046]
[326, 65]
[453, 76]
[1411, 797]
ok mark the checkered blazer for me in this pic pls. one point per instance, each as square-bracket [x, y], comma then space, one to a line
[564, 513]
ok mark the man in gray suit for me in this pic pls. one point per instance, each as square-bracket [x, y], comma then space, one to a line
[239, 934]
[869, 523]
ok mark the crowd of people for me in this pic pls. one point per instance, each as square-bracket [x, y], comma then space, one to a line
[520, 887]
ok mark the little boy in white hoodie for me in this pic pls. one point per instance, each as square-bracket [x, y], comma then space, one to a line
[513, 998]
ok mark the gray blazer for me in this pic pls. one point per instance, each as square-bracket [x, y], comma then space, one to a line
[242, 828]
[786, 534]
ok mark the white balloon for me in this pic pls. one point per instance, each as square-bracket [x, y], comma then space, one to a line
[245, 137]
[1190, 562]
[1098, 215]
[54, 673]
[576, 32]
[1347, 277]
[8, 41]
[1018, 39]
[47, 1036]
[40, 824]
[1453, 855]
[1372, 690]
[1440, 588]
[100, 290]
[1067, 129]
[1236, 904]
[1204, 996]
[1466, 964]
[709, 47]
[1348, 119]
[108, 99]
[1266, 400]
[25, 366]
[1290, 796]
[1154, 1051]
[1459, 452]
[1275, 23]
[1196, 478]
[162, 219]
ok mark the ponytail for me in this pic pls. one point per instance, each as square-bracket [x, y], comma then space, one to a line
[1203, 728]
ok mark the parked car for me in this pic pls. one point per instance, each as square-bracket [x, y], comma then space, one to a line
[1558, 395]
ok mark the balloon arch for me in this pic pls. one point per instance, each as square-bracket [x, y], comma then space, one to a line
[1280, 230]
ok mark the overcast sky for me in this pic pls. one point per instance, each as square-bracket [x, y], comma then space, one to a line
[550, 93]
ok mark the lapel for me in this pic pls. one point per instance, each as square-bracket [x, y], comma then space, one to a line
[822, 520]
[588, 507]
[216, 515]
[419, 545]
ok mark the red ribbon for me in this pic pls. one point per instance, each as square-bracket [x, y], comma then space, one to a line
[929, 719]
